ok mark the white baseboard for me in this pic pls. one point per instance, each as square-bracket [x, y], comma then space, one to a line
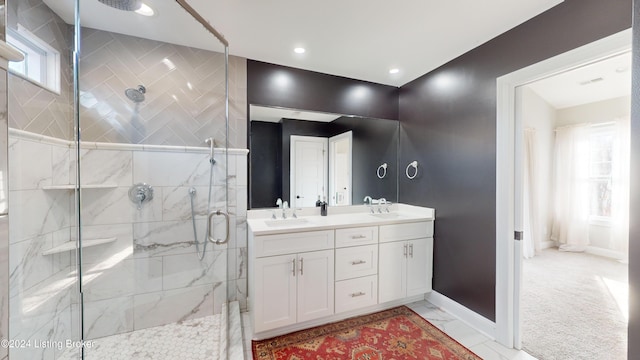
[471, 318]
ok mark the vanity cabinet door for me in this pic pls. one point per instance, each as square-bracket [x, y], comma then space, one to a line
[275, 286]
[315, 285]
[392, 273]
[419, 268]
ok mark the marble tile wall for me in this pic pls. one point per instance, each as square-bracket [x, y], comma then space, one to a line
[31, 107]
[40, 286]
[184, 92]
[150, 275]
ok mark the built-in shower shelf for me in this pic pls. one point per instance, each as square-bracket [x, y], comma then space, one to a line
[71, 245]
[72, 186]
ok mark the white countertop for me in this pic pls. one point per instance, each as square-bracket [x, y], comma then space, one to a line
[309, 219]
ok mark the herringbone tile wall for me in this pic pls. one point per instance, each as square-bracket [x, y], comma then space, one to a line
[184, 92]
[185, 88]
[31, 107]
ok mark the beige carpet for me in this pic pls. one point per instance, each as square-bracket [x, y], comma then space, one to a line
[568, 308]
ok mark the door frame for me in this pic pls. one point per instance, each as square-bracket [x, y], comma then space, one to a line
[509, 177]
[292, 173]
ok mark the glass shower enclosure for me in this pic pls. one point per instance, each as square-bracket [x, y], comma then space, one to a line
[127, 198]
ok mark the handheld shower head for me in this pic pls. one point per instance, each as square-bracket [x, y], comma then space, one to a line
[209, 141]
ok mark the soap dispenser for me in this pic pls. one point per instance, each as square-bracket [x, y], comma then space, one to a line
[323, 207]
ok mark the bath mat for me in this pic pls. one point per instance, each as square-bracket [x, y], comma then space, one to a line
[397, 333]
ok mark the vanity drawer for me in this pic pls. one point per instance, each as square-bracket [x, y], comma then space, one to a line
[356, 236]
[407, 231]
[270, 245]
[356, 261]
[356, 293]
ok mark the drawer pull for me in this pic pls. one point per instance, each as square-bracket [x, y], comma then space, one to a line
[358, 236]
[411, 250]
[404, 252]
[359, 293]
[293, 262]
[358, 262]
[301, 266]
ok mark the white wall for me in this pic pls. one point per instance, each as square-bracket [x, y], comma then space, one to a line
[540, 115]
[601, 111]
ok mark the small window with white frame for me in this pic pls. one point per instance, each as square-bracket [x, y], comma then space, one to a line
[41, 62]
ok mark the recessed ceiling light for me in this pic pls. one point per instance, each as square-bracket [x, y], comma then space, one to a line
[145, 10]
[299, 50]
[394, 71]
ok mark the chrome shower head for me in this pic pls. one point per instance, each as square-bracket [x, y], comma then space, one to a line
[126, 5]
[136, 95]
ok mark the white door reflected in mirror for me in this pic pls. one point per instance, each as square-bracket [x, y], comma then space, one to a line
[308, 170]
[340, 155]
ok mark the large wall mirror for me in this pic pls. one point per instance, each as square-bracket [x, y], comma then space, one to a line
[299, 156]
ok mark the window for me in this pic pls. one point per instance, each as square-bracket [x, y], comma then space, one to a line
[601, 142]
[41, 62]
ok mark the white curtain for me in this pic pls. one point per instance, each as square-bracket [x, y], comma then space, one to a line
[531, 241]
[620, 188]
[570, 228]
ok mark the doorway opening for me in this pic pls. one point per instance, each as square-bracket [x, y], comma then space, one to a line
[574, 290]
[510, 174]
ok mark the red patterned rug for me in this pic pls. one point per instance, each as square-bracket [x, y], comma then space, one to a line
[393, 334]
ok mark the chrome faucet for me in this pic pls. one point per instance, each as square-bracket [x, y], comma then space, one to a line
[369, 201]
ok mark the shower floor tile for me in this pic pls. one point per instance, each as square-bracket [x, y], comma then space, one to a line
[192, 339]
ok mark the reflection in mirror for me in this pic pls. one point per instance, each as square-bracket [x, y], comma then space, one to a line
[356, 148]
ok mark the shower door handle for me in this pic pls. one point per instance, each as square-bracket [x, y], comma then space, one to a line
[210, 235]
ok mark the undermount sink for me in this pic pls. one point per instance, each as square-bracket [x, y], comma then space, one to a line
[286, 222]
[386, 215]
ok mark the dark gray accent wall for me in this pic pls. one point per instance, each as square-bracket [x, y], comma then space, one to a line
[448, 124]
[275, 85]
[266, 161]
[634, 215]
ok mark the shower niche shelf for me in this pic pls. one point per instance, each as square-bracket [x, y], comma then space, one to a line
[71, 245]
[73, 186]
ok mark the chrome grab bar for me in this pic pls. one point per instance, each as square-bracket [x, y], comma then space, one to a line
[210, 235]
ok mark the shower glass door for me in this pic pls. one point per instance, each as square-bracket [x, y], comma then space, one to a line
[154, 168]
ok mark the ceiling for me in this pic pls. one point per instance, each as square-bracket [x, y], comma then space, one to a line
[357, 39]
[603, 80]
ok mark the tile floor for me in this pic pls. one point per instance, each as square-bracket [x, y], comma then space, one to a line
[196, 339]
[463, 333]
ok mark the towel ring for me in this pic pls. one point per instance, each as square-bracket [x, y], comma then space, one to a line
[413, 164]
[382, 167]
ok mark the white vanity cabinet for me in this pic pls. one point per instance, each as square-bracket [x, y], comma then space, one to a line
[314, 270]
[297, 286]
[405, 260]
